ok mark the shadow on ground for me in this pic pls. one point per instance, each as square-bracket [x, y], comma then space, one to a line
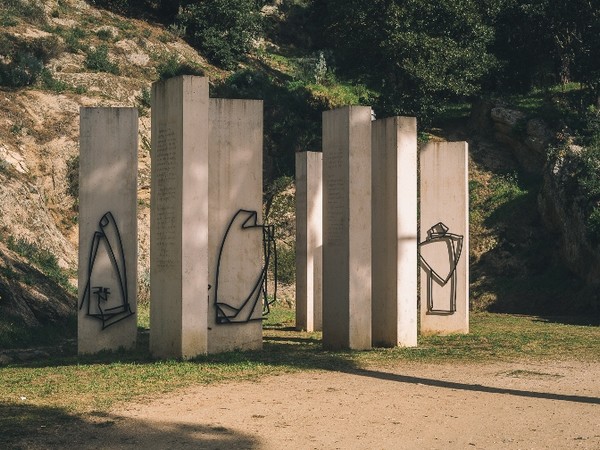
[55, 428]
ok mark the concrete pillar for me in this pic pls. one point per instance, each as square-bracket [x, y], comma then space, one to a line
[347, 228]
[179, 218]
[107, 229]
[394, 216]
[444, 238]
[236, 260]
[309, 240]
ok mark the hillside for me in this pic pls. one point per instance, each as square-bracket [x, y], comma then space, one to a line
[90, 57]
[59, 55]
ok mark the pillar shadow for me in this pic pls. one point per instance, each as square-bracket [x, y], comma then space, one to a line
[472, 387]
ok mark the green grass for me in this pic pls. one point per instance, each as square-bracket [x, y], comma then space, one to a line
[43, 259]
[97, 60]
[556, 104]
[95, 382]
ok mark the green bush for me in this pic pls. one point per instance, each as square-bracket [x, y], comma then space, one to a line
[172, 67]
[52, 84]
[97, 60]
[223, 30]
[23, 59]
[104, 34]
[30, 10]
[73, 39]
[144, 101]
[22, 71]
[286, 264]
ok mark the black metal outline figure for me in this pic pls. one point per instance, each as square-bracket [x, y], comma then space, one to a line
[454, 242]
[227, 314]
[108, 316]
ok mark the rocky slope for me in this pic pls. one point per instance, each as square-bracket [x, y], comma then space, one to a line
[92, 58]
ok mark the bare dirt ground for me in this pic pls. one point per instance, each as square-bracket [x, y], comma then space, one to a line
[517, 405]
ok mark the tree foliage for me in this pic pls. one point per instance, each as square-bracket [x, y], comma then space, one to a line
[222, 29]
[417, 53]
[544, 42]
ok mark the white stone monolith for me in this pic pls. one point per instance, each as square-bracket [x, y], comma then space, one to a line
[444, 238]
[179, 218]
[347, 228]
[394, 216]
[236, 259]
[309, 240]
[107, 281]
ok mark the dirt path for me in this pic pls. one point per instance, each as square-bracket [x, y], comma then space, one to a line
[518, 405]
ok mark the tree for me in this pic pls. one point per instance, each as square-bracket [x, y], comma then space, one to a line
[543, 42]
[417, 53]
[223, 30]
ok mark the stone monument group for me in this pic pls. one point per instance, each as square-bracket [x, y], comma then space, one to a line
[372, 247]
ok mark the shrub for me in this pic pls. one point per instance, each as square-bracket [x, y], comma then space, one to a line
[97, 61]
[22, 71]
[32, 10]
[144, 101]
[223, 30]
[286, 264]
[172, 67]
[23, 60]
[73, 39]
[51, 83]
[104, 34]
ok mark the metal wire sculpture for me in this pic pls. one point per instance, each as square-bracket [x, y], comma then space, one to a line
[109, 238]
[438, 233]
[227, 313]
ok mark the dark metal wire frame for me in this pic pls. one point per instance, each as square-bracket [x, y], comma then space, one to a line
[439, 233]
[227, 314]
[108, 316]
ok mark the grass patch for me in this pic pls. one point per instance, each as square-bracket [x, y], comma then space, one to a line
[556, 104]
[43, 259]
[97, 61]
[67, 389]
[95, 382]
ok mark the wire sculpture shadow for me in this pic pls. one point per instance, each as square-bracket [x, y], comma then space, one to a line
[110, 307]
[438, 236]
[242, 310]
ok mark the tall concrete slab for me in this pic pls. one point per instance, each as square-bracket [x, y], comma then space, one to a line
[394, 221]
[309, 240]
[236, 259]
[444, 238]
[179, 218]
[347, 228]
[107, 229]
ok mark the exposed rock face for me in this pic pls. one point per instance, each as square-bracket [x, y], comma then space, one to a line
[30, 297]
[562, 212]
[527, 139]
[528, 144]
